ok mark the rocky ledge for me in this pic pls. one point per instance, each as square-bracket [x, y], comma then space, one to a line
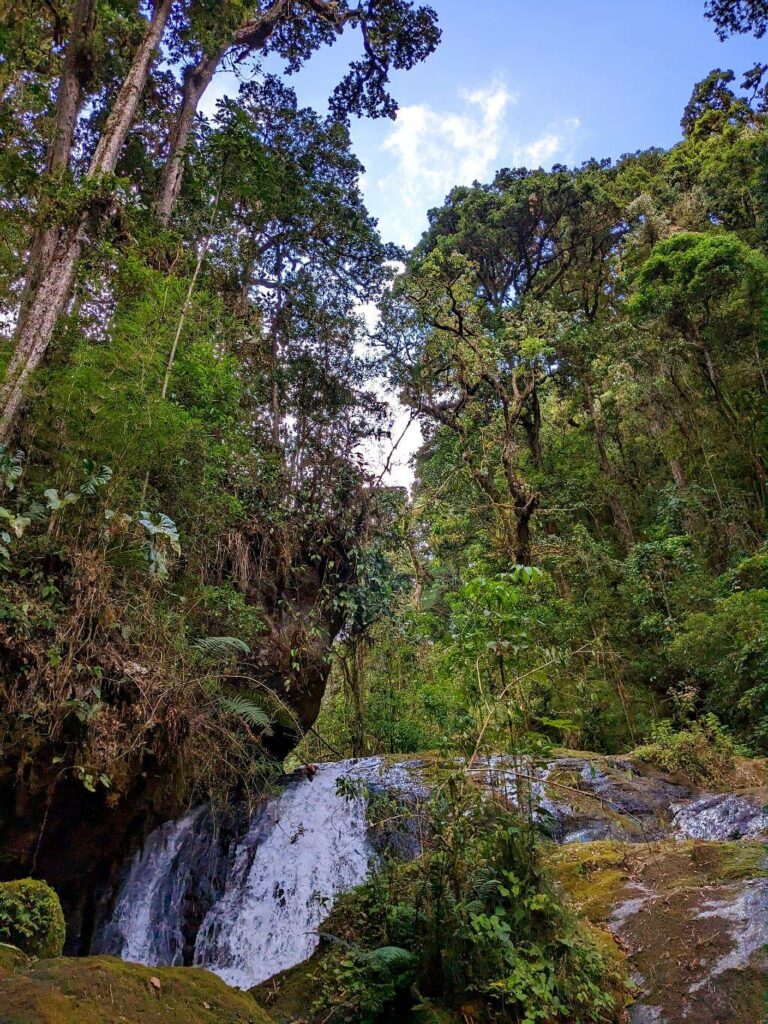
[692, 917]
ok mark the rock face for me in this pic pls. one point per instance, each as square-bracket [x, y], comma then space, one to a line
[722, 816]
[692, 916]
[676, 874]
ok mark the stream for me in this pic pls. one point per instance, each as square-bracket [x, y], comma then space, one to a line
[253, 909]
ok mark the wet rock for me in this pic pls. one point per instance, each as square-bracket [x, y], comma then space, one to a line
[583, 799]
[588, 798]
[720, 816]
[745, 911]
[396, 795]
[693, 917]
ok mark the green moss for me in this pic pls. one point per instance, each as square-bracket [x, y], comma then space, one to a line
[289, 995]
[676, 881]
[592, 875]
[104, 990]
[11, 959]
[697, 863]
[31, 917]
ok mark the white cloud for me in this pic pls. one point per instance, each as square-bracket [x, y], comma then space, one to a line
[432, 150]
[435, 150]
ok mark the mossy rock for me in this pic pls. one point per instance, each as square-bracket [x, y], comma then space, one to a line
[11, 959]
[105, 990]
[688, 914]
[597, 876]
[592, 874]
[31, 917]
[290, 994]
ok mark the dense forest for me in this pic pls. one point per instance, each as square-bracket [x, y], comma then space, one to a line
[202, 578]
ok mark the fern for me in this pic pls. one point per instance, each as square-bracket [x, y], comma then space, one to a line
[250, 712]
[219, 646]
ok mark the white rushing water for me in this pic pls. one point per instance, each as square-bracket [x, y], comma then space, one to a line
[301, 850]
[146, 924]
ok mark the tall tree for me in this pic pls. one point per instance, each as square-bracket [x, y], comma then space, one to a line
[394, 34]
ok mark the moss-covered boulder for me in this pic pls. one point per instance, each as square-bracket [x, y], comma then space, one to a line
[104, 990]
[11, 959]
[692, 917]
[31, 917]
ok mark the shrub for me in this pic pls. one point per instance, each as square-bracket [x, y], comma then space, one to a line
[482, 922]
[703, 751]
[373, 982]
[31, 917]
[725, 651]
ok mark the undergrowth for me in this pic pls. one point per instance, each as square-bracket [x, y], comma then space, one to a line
[702, 751]
[475, 919]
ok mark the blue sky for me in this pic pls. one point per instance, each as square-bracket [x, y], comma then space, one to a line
[516, 82]
[519, 83]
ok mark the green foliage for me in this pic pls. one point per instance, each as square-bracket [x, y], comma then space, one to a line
[582, 349]
[723, 654]
[221, 646]
[481, 921]
[702, 751]
[31, 918]
[250, 711]
[690, 277]
[372, 982]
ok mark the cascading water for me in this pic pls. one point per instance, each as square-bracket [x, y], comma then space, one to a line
[247, 901]
[169, 886]
[146, 925]
[306, 847]
[300, 851]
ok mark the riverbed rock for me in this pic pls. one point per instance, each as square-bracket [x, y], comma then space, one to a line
[692, 916]
[586, 797]
[104, 990]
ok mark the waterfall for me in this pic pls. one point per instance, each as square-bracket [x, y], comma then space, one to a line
[306, 847]
[146, 925]
[261, 913]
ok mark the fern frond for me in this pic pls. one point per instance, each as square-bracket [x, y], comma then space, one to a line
[220, 645]
[250, 712]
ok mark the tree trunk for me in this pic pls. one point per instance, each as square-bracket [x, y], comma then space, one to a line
[353, 667]
[124, 111]
[35, 329]
[531, 421]
[75, 74]
[523, 512]
[69, 101]
[250, 36]
[678, 474]
[39, 323]
[196, 81]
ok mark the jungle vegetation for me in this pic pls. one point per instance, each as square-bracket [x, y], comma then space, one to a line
[199, 572]
[192, 541]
